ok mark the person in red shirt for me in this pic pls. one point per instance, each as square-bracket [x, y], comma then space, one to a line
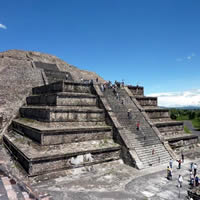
[138, 126]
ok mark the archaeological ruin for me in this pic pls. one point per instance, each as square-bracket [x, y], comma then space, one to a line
[53, 117]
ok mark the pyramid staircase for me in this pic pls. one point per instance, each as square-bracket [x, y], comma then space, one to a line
[145, 142]
[61, 127]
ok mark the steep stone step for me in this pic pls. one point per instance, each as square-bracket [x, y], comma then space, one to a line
[143, 140]
[62, 113]
[63, 86]
[148, 152]
[59, 135]
[140, 143]
[37, 159]
[156, 162]
[63, 99]
[149, 157]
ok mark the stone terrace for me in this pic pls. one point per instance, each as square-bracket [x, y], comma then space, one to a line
[61, 127]
[169, 130]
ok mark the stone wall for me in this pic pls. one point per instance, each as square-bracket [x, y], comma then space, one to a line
[17, 77]
[156, 114]
[147, 101]
[136, 90]
[184, 144]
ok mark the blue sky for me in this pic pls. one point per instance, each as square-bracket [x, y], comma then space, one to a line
[153, 43]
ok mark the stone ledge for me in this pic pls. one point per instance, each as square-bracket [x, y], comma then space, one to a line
[49, 130]
[48, 161]
[92, 109]
[156, 109]
[181, 137]
[145, 97]
[167, 123]
[34, 152]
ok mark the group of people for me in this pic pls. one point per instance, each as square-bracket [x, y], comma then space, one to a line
[169, 172]
[194, 179]
[109, 85]
[170, 167]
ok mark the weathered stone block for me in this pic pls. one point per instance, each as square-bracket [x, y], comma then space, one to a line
[136, 90]
[60, 114]
[147, 101]
[157, 113]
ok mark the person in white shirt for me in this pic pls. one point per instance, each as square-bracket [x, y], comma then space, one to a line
[180, 180]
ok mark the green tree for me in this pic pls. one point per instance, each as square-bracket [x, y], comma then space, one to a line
[192, 115]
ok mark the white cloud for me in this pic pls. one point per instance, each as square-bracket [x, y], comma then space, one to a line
[186, 58]
[3, 26]
[178, 99]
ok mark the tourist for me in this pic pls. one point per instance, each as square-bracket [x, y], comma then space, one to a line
[180, 181]
[144, 137]
[179, 163]
[195, 169]
[114, 90]
[102, 87]
[191, 166]
[138, 126]
[171, 163]
[91, 82]
[182, 156]
[191, 179]
[97, 80]
[196, 180]
[122, 83]
[117, 95]
[153, 151]
[129, 113]
[169, 173]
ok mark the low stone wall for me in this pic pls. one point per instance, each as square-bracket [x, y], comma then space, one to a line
[155, 114]
[185, 143]
[147, 101]
[62, 115]
[136, 90]
[62, 100]
[62, 86]
[64, 162]
[170, 128]
[41, 165]
[77, 87]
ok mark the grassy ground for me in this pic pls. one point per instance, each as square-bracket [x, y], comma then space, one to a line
[186, 129]
[182, 118]
[196, 123]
